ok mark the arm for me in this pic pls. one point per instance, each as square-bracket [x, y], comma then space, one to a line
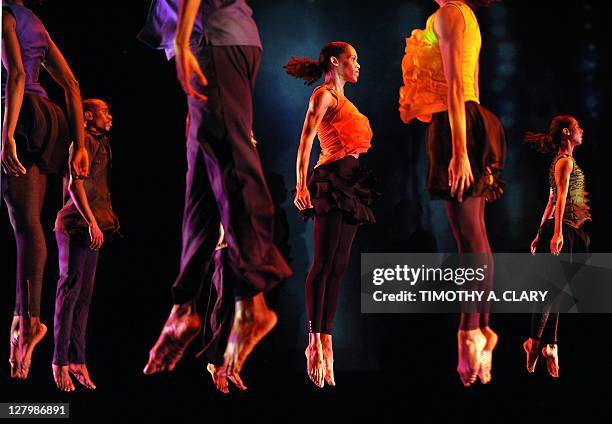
[320, 101]
[186, 63]
[15, 86]
[78, 194]
[548, 210]
[449, 27]
[59, 70]
[563, 169]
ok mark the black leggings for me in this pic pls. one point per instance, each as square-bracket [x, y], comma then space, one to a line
[333, 237]
[544, 323]
[24, 198]
[467, 223]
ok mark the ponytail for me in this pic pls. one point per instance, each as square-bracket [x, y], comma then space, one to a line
[310, 70]
[540, 142]
[548, 143]
[304, 68]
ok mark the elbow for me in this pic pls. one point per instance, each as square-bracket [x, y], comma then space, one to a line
[71, 85]
[16, 77]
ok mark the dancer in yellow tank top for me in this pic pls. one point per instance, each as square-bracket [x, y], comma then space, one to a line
[466, 149]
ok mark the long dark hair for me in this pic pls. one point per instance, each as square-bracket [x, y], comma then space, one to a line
[310, 70]
[549, 143]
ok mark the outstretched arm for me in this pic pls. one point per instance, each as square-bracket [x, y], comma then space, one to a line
[449, 27]
[320, 101]
[15, 86]
[59, 70]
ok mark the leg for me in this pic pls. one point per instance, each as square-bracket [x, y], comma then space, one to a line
[24, 198]
[223, 125]
[72, 260]
[332, 295]
[200, 234]
[466, 224]
[327, 235]
[77, 348]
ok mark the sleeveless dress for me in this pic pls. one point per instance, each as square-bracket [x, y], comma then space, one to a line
[338, 180]
[424, 97]
[576, 213]
[41, 134]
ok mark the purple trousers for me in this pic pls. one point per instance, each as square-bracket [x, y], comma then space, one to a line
[77, 266]
[225, 182]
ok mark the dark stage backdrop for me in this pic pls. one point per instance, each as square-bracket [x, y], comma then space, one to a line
[538, 59]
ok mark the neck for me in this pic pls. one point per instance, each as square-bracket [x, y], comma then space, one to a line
[19, 2]
[94, 131]
[566, 150]
[333, 80]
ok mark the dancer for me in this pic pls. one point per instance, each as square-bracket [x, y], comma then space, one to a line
[35, 138]
[466, 149]
[561, 228]
[218, 52]
[82, 226]
[336, 193]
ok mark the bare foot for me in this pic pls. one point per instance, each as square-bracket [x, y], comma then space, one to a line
[219, 380]
[14, 342]
[551, 353]
[470, 344]
[181, 327]
[531, 348]
[62, 378]
[315, 364]
[81, 373]
[31, 332]
[252, 321]
[486, 356]
[328, 357]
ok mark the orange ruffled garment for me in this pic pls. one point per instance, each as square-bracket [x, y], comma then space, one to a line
[425, 90]
[347, 131]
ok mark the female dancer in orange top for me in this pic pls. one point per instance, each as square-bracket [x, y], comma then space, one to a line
[336, 193]
[466, 149]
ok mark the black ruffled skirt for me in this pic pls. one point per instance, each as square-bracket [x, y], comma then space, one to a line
[344, 185]
[575, 240]
[486, 147]
[42, 135]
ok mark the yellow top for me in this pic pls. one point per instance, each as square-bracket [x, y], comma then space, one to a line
[425, 90]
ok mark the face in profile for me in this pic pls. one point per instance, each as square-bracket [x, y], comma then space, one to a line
[98, 117]
[348, 67]
[575, 133]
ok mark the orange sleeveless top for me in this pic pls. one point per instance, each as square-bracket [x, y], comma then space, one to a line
[425, 91]
[343, 131]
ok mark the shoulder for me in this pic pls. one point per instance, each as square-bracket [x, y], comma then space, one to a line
[449, 19]
[91, 144]
[323, 97]
[564, 166]
[8, 17]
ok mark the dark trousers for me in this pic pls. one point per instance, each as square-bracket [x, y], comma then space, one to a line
[77, 264]
[225, 181]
